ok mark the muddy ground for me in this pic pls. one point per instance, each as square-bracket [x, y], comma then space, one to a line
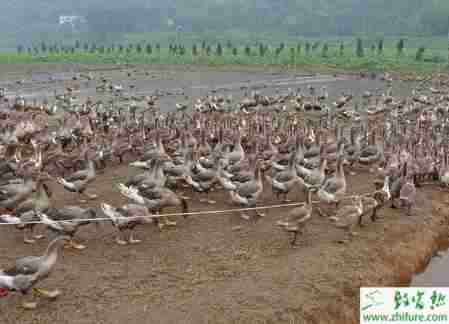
[220, 268]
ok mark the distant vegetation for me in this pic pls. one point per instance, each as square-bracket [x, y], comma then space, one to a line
[112, 20]
[347, 53]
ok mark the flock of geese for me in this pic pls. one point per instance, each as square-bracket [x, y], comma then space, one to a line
[288, 144]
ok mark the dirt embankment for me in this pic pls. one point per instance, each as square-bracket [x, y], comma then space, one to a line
[393, 259]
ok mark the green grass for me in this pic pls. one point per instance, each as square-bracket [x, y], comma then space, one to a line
[434, 59]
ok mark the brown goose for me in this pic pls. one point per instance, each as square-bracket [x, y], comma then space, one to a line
[67, 220]
[348, 216]
[79, 181]
[122, 219]
[27, 209]
[298, 217]
[407, 194]
[39, 268]
[247, 193]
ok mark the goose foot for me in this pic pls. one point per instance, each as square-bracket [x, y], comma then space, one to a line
[29, 305]
[260, 214]
[352, 173]
[121, 242]
[211, 202]
[161, 226]
[287, 200]
[77, 246]
[82, 201]
[244, 216]
[170, 223]
[281, 223]
[38, 237]
[134, 241]
[48, 294]
[91, 197]
[29, 241]
[202, 200]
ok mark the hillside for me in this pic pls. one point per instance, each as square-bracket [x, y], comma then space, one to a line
[26, 20]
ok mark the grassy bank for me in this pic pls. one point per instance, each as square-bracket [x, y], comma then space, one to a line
[344, 54]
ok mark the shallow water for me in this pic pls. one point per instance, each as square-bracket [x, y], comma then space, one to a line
[436, 274]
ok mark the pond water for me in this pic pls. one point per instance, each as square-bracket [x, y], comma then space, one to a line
[436, 274]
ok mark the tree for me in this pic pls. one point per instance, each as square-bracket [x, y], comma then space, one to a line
[373, 48]
[43, 47]
[93, 48]
[194, 50]
[380, 47]
[324, 50]
[420, 53]
[158, 47]
[298, 48]
[77, 44]
[359, 48]
[342, 49]
[139, 48]
[261, 50]
[20, 49]
[86, 46]
[203, 45]
[228, 44]
[120, 48]
[182, 50]
[307, 48]
[208, 50]
[234, 51]
[400, 46]
[219, 50]
[247, 50]
[149, 49]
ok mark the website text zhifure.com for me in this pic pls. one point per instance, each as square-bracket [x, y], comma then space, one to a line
[405, 317]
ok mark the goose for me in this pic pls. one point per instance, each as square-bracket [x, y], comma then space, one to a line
[372, 154]
[407, 194]
[14, 193]
[67, 220]
[237, 154]
[124, 219]
[314, 177]
[79, 181]
[298, 217]
[284, 187]
[39, 268]
[348, 216]
[26, 209]
[381, 196]
[334, 188]
[247, 193]
[155, 200]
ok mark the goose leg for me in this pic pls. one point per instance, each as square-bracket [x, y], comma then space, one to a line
[210, 201]
[286, 198]
[131, 239]
[295, 237]
[119, 239]
[27, 240]
[37, 236]
[244, 216]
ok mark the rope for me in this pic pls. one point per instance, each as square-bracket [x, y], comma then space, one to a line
[197, 213]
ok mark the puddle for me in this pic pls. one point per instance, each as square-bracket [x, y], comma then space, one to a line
[436, 272]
